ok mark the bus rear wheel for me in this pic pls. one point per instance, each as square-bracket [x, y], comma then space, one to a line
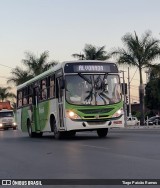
[102, 133]
[29, 128]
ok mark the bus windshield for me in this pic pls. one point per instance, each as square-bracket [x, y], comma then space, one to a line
[89, 89]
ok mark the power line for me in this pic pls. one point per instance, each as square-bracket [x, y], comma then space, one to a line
[132, 78]
[133, 75]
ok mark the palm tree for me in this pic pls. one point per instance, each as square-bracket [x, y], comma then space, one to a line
[34, 65]
[5, 94]
[38, 65]
[139, 52]
[92, 53]
[79, 56]
[19, 76]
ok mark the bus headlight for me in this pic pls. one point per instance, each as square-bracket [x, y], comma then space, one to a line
[72, 115]
[1, 125]
[118, 113]
[14, 123]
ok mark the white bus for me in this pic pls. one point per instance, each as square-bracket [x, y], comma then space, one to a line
[71, 97]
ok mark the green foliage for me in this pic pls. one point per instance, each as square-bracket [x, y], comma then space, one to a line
[37, 65]
[154, 72]
[92, 53]
[136, 114]
[5, 94]
[34, 66]
[19, 76]
[152, 98]
[138, 52]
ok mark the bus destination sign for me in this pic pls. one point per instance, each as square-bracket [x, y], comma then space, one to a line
[92, 67]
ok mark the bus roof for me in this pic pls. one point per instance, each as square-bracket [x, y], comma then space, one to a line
[50, 71]
[57, 67]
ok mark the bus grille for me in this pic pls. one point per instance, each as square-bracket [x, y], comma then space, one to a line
[95, 111]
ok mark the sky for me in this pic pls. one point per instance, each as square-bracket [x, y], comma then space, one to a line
[63, 27]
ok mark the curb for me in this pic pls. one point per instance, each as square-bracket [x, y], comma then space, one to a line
[143, 127]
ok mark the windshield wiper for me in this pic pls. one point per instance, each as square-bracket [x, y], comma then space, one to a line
[85, 78]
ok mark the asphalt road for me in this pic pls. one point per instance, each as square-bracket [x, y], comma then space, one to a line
[123, 154]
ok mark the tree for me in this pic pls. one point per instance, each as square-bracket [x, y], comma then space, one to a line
[5, 94]
[34, 66]
[37, 65]
[19, 76]
[152, 97]
[139, 52]
[92, 53]
[154, 72]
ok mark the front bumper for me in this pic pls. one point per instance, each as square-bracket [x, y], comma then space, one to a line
[94, 125]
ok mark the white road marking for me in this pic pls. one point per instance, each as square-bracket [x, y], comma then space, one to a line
[97, 147]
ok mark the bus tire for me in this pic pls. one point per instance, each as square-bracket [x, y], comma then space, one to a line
[29, 128]
[52, 122]
[102, 133]
[57, 134]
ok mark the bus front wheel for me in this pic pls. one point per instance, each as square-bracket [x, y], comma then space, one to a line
[102, 133]
[57, 134]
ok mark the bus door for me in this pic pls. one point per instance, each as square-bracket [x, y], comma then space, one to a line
[36, 96]
[59, 88]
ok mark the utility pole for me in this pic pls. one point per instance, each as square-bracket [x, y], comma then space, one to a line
[129, 94]
[124, 99]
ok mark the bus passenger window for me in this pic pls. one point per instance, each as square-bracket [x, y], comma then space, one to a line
[52, 87]
[24, 101]
[30, 100]
[20, 99]
[30, 93]
[44, 89]
[25, 96]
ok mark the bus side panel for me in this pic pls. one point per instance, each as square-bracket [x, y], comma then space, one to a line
[44, 112]
[50, 108]
[24, 117]
[24, 114]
